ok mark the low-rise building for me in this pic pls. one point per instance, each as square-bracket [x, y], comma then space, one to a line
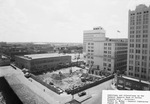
[128, 83]
[41, 62]
[4, 60]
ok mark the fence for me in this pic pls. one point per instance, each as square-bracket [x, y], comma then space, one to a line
[79, 89]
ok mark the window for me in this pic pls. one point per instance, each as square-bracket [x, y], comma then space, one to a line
[138, 40]
[131, 68]
[130, 62]
[131, 45]
[92, 50]
[144, 45]
[109, 48]
[109, 44]
[105, 51]
[109, 52]
[137, 51]
[109, 60]
[144, 58]
[137, 57]
[144, 64]
[137, 62]
[92, 43]
[131, 36]
[138, 36]
[144, 51]
[145, 31]
[138, 45]
[131, 32]
[104, 64]
[143, 70]
[137, 69]
[109, 65]
[145, 27]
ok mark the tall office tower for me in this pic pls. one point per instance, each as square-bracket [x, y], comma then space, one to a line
[138, 64]
[103, 53]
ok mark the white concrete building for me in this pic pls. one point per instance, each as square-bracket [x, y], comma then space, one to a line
[103, 53]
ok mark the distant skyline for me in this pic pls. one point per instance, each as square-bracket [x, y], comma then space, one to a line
[63, 20]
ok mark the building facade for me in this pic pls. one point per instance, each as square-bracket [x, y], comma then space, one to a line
[138, 64]
[41, 62]
[105, 54]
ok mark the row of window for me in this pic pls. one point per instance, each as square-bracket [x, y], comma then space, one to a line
[137, 57]
[105, 59]
[90, 43]
[138, 36]
[109, 48]
[120, 48]
[137, 63]
[105, 44]
[137, 75]
[109, 56]
[90, 47]
[138, 31]
[90, 57]
[139, 27]
[105, 64]
[109, 52]
[138, 45]
[143, 52]
[139, 13]
[132, 22]
[90, 50]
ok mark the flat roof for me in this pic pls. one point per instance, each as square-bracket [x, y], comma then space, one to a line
[46, 55]
[137, 80]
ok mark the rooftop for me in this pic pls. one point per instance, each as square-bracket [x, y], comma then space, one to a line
[23, 88]
[134, 79]
[47, 55]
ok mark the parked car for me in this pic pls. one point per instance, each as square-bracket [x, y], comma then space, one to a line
[81, 93]
[27, 75]
[51, 83]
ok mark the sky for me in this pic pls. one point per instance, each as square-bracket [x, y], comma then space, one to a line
[63, 20]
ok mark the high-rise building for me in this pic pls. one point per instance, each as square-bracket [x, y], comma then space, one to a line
[103, 53]
[138, 64]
